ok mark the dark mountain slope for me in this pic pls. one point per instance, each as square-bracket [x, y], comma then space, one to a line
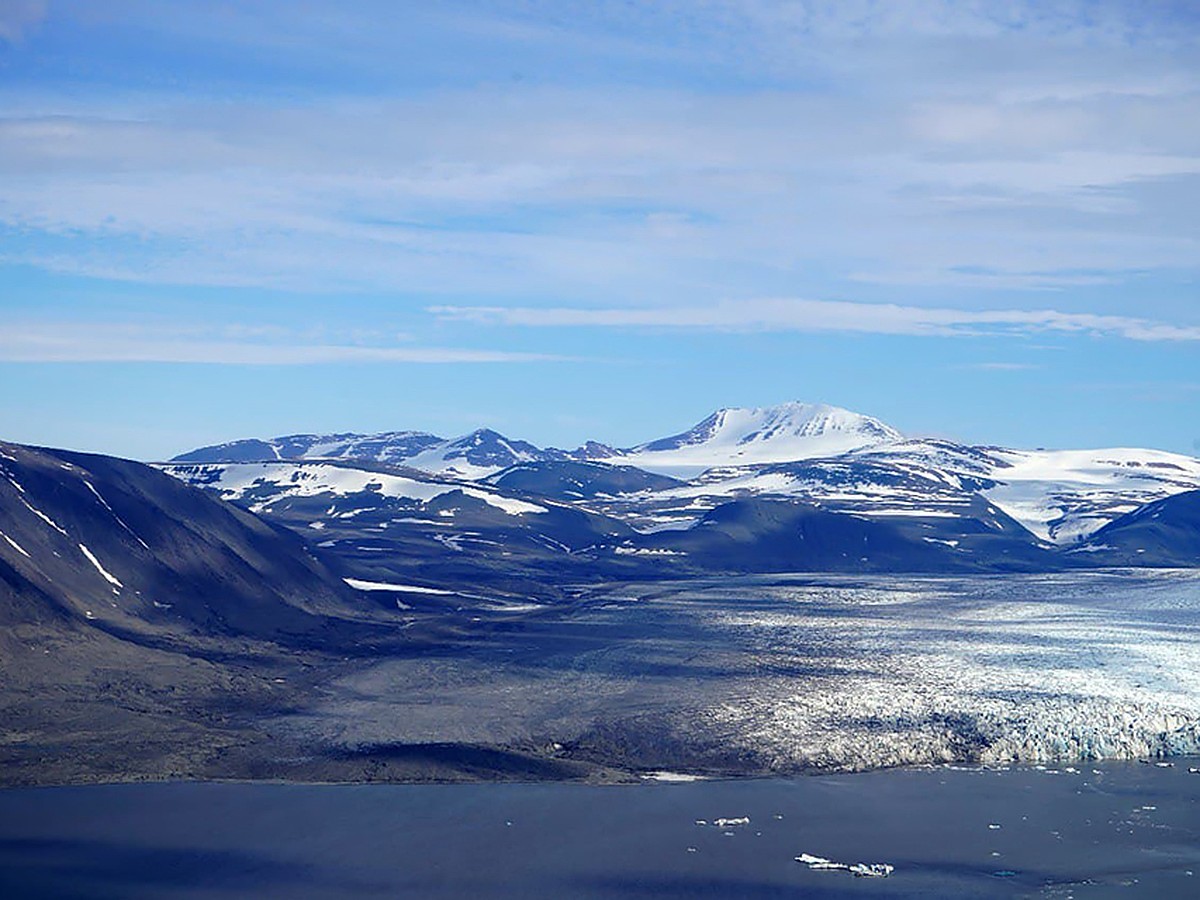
[125, 546]
[760, 535]
[1163, 533]
[575, 480]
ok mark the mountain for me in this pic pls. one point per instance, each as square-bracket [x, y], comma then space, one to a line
[1163, 533]
[1066, 495]
[478, 454]
[390, 524]
[728, 437]
[121, 545]
[390, 446]
[802, 453]
[765, 535]
[773, 434]
[572, 480]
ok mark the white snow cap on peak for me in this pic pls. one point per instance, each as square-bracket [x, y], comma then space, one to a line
[740, 436]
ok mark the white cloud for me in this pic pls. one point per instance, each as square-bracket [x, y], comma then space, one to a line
[110, 342]
[827, 315]
[899, 145]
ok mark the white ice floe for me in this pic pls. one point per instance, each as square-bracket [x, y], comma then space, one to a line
[108, 576]
[731, 823]
[861, 870]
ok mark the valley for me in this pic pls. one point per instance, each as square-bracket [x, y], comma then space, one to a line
[513, 613]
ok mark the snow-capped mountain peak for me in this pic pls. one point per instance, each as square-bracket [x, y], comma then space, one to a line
[475, 455]
[759, 435]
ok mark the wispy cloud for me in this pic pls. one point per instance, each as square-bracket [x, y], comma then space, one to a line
[18, 17]
[826, 315]
[892, 145]
[1001, 367]
[233, 345]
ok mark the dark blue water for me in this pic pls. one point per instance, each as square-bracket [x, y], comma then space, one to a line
[1132, 830]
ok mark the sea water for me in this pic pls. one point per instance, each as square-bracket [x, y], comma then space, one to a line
[1108, 830]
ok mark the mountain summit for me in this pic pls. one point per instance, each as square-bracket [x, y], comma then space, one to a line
[761, 435]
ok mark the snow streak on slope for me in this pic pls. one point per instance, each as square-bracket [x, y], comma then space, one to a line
[108, 576]
[739, 437]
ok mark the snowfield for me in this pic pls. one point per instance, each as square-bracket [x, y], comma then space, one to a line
[272, 481]
[1076, 669]
[1066, 495]
[793, 673]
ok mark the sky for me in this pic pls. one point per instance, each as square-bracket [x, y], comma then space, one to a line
[598, 220]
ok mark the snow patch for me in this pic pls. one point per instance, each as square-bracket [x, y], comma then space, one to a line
[15, 545]
[108, 576]
[112, 513]
[45, 518]
[360, 585]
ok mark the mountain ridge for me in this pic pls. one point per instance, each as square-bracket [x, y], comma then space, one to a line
[809, 452]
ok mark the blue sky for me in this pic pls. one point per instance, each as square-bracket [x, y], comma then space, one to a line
[597, 220]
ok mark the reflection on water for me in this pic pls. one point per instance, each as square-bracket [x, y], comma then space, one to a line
[1120, 830]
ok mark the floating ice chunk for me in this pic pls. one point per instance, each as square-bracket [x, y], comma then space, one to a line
[819, 862]
[872, 870]
[859, 870]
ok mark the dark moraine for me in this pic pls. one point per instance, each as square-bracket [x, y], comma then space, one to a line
[1116, 830]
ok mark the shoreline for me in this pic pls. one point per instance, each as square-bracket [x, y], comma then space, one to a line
[624, 778]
